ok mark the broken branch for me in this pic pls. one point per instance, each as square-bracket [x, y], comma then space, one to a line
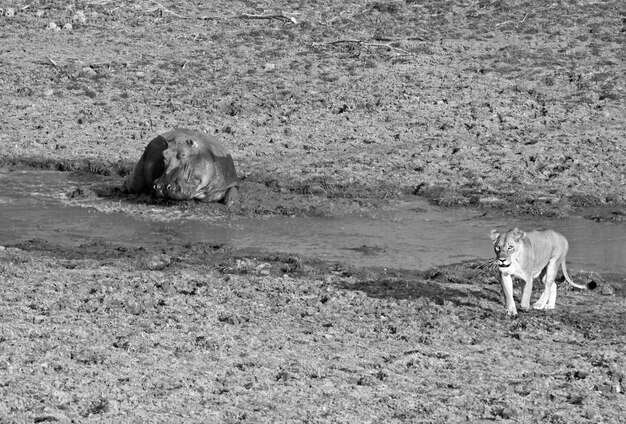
[278, 16]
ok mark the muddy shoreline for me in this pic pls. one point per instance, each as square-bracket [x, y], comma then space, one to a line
[272, 197]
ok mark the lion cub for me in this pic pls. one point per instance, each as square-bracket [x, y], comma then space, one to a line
[527, 255]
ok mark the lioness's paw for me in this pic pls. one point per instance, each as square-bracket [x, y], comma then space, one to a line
[540, 306]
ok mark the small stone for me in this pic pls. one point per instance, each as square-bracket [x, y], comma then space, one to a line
[508, 413]
[79, 17]
[10, 12]
[366, 380]
[88, 71]
[579, 375]
[134, 308]
[68, 27]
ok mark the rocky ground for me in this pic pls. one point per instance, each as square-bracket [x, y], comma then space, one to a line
[515, 106]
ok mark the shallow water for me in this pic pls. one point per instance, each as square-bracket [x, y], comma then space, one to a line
[408, 234]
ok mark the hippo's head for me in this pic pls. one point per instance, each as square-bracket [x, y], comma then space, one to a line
[192, 170]
[185, 164]
[181, 183]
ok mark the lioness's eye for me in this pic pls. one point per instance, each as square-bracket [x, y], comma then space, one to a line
[497, 248]
[510, 247]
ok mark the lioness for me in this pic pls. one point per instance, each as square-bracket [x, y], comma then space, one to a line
[527, 256]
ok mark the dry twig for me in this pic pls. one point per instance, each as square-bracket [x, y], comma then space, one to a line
[388, 46]
[507, 22]
[165, 9]
[278, 16]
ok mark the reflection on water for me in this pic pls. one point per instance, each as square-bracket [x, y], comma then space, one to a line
[407, 234]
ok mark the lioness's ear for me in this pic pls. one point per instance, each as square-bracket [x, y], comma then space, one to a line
[190, 142]
[494, 234]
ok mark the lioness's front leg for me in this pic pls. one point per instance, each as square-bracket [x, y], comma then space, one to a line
[507, 289]
[543, 299]
[528, 289]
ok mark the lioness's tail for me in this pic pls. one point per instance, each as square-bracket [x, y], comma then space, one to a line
[590, 285]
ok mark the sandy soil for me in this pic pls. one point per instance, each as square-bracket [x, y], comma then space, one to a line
[514, 106]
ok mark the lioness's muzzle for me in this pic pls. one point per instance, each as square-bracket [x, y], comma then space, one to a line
[503, 264]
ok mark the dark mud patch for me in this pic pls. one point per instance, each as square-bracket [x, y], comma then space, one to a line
[98, 167]
[320, 198]
[606, 215]
[376, 281]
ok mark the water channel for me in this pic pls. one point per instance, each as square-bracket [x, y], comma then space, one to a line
[408, 234]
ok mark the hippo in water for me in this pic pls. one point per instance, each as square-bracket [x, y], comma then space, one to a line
[185, 164]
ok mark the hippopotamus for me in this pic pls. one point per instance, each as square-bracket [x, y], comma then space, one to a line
[185, 164]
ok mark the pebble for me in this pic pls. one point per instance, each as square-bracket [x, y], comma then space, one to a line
[79, 17]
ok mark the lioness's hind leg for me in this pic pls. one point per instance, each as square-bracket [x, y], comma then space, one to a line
[552, 300]
[549, 291]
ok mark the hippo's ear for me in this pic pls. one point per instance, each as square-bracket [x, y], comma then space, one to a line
[518, 234]
[494, 234]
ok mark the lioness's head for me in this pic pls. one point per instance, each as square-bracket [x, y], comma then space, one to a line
[506, 244]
